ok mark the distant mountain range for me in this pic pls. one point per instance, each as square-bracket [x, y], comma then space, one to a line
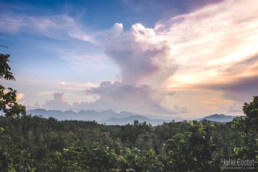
[108, 117]
[89, 115]
[112, 118]
[219, 118]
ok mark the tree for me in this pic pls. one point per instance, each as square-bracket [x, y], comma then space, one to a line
[191, 151]
[248, 125]
[8, 100]
[8, 106]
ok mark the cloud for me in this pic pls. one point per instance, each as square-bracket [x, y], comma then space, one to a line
[139, 54]
[235, 108]
[58, 103]
[202, 50]
[179, 110]
[206, 60]
[127, 97]
[19, 96]
[145, 64]
[52, 26]
[215, 49]
[241, 89]
[143, 61]
[212, 39]
[120, 97]
[78, 86]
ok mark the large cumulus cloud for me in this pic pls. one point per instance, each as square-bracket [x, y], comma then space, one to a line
[139, 53]
[145, 64]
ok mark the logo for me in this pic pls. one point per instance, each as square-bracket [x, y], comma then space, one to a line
[238, 164]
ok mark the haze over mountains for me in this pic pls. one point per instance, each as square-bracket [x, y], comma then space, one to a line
[108, 117]
[112, 118]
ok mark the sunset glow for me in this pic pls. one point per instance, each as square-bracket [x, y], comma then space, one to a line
[192, 62]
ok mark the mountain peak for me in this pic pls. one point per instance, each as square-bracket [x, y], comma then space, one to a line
[219, 118]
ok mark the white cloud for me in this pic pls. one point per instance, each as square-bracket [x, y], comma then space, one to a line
[58, 103]
[78, 86]
[141, 56]
[145, 65]
[82, 60]
[131, 98]
[54, 26]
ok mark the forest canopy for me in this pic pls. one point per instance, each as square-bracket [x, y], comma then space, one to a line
[34, 143]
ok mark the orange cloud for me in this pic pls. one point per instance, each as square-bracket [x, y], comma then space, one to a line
[19, 96]
[209, 43]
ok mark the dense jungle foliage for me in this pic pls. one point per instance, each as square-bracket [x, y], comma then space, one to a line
[37, 144]
[34, 143]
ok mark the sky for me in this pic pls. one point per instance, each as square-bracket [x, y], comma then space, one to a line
[172, 58]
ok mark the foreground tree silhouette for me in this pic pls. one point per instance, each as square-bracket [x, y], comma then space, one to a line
[8, 106]
[8, 100]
